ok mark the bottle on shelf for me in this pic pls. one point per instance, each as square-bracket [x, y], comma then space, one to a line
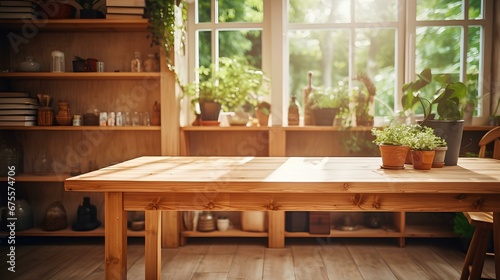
[294, 111]
[136, 63]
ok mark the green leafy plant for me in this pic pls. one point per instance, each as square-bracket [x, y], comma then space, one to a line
[423, 138]
[461, 226]
[447, 100]
[163, 25]
[394, 134]
[336, 97]
[232, 83]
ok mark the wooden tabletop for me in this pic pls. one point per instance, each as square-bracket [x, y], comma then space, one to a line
[287, 175]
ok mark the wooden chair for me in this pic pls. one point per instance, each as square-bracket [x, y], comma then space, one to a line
[483, 221]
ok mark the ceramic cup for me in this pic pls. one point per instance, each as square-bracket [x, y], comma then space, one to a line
[222, 224]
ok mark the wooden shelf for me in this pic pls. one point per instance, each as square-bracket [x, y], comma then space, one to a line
[81, 75]
[304, 128]
[359, 233]
[430, 231]
[84, 128]
[224, 129]
[227, 233]
[68, 232]
[78, 25]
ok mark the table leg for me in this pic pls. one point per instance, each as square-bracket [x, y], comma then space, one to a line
[276, 229]
[115, 236]
[496, 242]
[152, 255]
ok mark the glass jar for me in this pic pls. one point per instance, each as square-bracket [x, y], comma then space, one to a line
[41, 165]
[151, 64]
[136, 64]
[29, 65]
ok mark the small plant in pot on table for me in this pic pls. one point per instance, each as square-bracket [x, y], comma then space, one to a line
[423, 143]
[393, 141]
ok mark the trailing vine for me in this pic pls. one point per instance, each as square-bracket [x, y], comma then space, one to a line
[163, 25]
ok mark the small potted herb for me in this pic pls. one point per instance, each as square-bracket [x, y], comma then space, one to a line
[423, 143]
[393, 142]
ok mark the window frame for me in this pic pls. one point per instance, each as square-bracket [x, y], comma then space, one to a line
[275, 51]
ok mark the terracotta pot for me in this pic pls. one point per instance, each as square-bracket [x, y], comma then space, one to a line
[422, 159]
[439, 157]
[393, 157]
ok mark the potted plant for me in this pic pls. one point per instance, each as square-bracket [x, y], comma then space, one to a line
[364, 101]
[443, 112]
[262, 111]
[235, 85]
[423, 143]
[393, 142]
[439, 156]
[325, 103]
[494, 118]
[89, 9]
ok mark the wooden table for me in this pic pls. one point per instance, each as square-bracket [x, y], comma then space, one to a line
[277, 184]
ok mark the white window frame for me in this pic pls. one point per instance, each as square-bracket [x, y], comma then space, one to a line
[275, 52]
[485, 81]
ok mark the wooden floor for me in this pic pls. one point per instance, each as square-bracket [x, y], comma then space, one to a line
[240, 258]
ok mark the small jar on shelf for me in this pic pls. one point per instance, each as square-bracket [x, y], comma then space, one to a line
[29, 65]
[136, 63]
[151, 64]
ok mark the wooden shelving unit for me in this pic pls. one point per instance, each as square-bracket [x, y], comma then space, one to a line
[116, 89]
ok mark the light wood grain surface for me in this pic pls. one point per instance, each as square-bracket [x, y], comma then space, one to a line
[279, 184]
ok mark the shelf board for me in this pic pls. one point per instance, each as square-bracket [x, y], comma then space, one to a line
[81, 75]
[68, 232]
[361, 233]
[78, 25]
[422, 231]
[218, 128]
[84, 128]
[311, 128]
[227, 233]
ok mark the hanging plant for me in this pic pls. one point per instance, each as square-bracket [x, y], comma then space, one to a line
[163, 26]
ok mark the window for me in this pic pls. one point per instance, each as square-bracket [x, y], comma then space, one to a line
[387, 40]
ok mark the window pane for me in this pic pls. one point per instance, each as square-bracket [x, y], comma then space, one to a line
[242, 43]
[325, 53]
[205, 48]
[319, 11]
[376, 10]
[204, 14]
[475, 9]
[473, 64]
[439, 10]
[438, 48]
[375, 57]
[241, 10]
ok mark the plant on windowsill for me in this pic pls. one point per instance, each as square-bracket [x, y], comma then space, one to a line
[235, 85]
[443, 112]
[393, 142]
[326, 103]
[364, 101]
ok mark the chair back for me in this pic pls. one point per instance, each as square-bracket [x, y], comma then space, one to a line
[491, 136]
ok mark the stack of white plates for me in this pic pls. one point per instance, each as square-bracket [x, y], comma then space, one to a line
[17, 109]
